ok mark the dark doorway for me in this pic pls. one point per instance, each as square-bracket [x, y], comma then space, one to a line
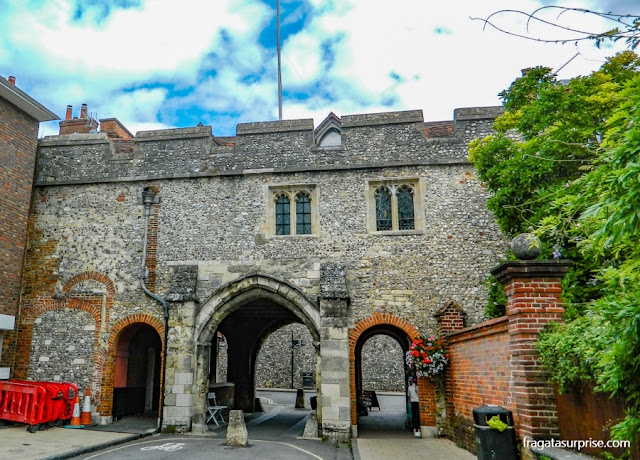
[136, 388]
[241, 335]
[391, 413]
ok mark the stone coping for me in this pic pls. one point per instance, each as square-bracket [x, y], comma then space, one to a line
[492, 326]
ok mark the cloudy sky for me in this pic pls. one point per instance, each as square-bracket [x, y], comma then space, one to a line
[174, 63]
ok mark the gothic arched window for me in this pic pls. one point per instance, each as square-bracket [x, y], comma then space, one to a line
[404, 196]
[383, 209]
[283, 215]
[303, 214]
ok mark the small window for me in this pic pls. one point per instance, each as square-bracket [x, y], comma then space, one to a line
[283, 215]
[292, 210]
[394, 206]
[404, 196]
[383, 209]
[303, 214]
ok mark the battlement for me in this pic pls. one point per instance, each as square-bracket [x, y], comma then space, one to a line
[360, 141]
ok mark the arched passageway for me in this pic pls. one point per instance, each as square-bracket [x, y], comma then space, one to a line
[136, 388]
[393, 364]
[245, 313]
[403, 333]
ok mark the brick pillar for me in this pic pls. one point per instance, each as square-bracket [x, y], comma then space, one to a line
[451, 318]
[533, 291]
[427, 396]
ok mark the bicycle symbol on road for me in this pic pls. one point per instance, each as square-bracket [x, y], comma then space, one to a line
[167, 447]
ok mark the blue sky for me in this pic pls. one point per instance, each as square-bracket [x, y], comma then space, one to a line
[157, 64]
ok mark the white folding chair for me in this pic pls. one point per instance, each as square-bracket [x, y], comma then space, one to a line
[215, 411]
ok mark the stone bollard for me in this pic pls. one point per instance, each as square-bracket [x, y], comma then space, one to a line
[311, 427]
[300, 399]
[237, 435]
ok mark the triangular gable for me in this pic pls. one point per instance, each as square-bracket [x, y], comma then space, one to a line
[329, 124]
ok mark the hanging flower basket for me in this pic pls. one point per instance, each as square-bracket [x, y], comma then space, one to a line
[427, 356]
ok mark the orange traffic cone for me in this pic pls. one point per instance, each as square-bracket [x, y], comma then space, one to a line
[75, 419]
[85, 417]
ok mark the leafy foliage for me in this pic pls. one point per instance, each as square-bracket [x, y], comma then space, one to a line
[497, 302]
[566, 162]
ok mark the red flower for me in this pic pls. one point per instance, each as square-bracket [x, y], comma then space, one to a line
[447, 356]
[431, 339]
[439, 342]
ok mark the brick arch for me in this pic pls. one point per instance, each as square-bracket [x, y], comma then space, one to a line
[90, 275]
[44, 305]
[108, 357]
[89, 304]
[378, 319]
[426, 389]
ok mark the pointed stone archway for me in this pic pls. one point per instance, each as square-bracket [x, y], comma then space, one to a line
[246, 311]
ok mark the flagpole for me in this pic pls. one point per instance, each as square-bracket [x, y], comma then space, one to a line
[279, 62]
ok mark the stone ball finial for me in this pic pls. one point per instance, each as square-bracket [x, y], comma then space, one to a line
[526, 246]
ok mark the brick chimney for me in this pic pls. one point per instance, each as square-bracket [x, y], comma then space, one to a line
[82, 125]
[12, 80]
[115, 129]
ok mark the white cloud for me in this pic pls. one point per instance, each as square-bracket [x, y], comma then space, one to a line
[438, 72]
[152, 64]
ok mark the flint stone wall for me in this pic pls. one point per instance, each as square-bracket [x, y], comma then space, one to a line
[87, 216]
[62, 347]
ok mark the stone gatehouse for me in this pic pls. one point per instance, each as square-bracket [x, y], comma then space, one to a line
[144, 251]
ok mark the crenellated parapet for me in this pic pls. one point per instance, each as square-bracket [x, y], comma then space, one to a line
[365, 141]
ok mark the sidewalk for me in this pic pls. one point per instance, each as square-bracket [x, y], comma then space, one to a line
[381, 436]
[59, 443]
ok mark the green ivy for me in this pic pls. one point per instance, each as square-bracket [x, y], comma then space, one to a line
[497, 302]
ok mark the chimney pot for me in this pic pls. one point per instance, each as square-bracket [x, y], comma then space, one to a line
[12, 80]
[525, 71]
[83, 111]
[69, 113]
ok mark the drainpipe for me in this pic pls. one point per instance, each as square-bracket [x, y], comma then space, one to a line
[149, 198]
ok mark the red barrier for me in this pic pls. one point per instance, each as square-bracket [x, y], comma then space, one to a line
[36, 402]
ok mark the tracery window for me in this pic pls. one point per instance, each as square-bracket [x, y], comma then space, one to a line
[292, 210]
[404, 196]
[283, 215]
[394, 206]
[303, 214]
[383, 209]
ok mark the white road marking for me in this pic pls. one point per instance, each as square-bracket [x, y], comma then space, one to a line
[169, 446]
[290, 445]
[131, 445]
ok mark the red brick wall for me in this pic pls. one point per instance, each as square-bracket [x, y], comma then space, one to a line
[479, 374]
[18, 142]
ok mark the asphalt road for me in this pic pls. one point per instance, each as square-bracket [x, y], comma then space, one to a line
[272, 435]
[163, 447]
